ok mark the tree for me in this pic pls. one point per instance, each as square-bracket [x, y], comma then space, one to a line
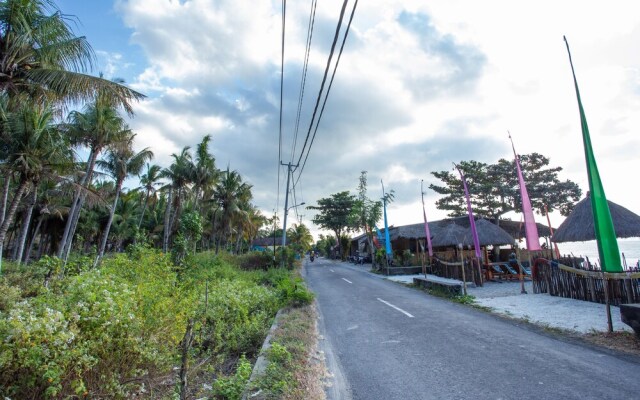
[180, 175]
[148, 182]
[98, 126]
[121, 162]
[494, 189]
[37, 151]
[299, 237]
[41, 58]
[335, 213]
[230, 194]
[367, 212]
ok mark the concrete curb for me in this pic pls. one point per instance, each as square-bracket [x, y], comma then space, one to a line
[261, 363]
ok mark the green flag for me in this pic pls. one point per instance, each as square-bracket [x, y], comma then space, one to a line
[603, 224]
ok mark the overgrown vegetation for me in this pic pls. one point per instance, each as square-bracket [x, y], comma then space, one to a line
[116, 331]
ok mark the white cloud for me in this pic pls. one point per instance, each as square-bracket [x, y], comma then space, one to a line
[419, 85]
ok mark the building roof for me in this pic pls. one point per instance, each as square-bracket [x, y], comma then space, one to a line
[579, 227]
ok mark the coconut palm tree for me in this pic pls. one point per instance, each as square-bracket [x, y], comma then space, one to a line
[230, 193]
[205, 173]
[148, 182]
[121, 162]
[180, 174]
[300, 237]
[41, 58]
[37, 151]
[97, 127]
[124, 223]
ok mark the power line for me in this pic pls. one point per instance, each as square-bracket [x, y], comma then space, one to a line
[324, 79]
[344, 39]
[312, 17]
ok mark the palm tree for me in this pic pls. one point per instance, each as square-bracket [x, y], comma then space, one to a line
[148, 182]
[98, 126]
[121, 162]
[230, 193]
[205, 173]
[41, 58]
[300, 237]
[36, 151]
[180, 175]
[124, 223]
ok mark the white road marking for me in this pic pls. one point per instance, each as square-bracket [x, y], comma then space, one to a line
[346, 280]
[397, 308]
[332, 270]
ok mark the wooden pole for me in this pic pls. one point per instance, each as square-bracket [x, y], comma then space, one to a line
[521, 274]
[607, 302]
[464, 280]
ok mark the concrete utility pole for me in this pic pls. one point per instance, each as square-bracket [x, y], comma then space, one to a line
[287, 208]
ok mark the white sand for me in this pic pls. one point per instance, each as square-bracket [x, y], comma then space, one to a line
[542, 309]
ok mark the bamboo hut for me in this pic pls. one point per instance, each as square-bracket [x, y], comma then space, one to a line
[578, 226]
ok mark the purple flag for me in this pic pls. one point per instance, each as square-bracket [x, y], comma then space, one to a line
[472, 222]
[426, 225]
[530, 227]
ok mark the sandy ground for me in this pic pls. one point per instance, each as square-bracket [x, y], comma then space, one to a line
[541, 309]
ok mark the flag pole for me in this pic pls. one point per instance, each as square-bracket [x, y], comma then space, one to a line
[472, 222]
[603, 223]
[426, 226]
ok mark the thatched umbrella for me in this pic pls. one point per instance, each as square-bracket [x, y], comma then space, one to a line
[491, 234]
[578, 226]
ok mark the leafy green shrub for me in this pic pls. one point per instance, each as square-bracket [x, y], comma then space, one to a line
[277, 378]
[294, 292]
[94, 332]
[231, 387]
[256, 260]
[238, 315]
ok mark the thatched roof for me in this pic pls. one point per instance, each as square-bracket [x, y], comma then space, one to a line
[578, 226]
[451, 231]
[517, 229]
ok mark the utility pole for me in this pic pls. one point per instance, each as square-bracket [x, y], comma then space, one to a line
[286, 208]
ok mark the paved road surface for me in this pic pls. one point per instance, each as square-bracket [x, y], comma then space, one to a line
[386, 341]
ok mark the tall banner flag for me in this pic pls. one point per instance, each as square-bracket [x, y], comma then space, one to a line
[530, 227]
[603, 224]
[386, 225]
[426, 225]
[379, 239]
[472, 222]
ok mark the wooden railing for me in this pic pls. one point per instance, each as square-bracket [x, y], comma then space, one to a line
[453, 270]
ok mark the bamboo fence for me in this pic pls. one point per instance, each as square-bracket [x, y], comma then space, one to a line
[587, 284]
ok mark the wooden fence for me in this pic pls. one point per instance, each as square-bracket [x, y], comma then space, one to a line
[453, 270]
[585, 283]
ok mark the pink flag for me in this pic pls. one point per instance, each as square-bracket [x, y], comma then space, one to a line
[530, 228]
[472, 222]
[426, 225]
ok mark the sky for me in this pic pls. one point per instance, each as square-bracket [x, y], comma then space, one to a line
[419, 85]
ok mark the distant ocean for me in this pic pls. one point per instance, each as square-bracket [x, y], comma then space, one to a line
[629, 247]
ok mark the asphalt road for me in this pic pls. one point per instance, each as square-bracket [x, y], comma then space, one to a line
[385, 341]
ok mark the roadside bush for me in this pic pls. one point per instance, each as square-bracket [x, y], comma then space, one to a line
[231, 387]
[294, 293]
[238, 316]
[256, 260]
[94, 333]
